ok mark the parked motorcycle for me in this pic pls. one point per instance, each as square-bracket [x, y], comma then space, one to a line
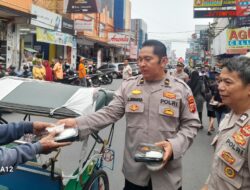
[96, 79]
[89, 81]
[2, 71]
[11, 71]
[107, 78]
[70, 77]
[26, 72]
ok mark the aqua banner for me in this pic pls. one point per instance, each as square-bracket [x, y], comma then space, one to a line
[238, 38]
[53, 37]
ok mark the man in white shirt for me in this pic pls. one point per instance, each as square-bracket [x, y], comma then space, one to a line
[179, 73]
[127, 70]
[248, 53]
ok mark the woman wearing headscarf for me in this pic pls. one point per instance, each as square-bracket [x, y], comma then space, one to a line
[38, 70]
[198, 88]
[49, 72]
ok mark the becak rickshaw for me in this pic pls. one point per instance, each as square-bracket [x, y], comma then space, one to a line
[55, 100]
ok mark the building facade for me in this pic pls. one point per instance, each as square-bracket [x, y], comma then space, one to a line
[122, 15]
[139, 29]
[13, 14]
[92, 32]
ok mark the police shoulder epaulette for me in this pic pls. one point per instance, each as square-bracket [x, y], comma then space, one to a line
[132, 78]
[182, 82]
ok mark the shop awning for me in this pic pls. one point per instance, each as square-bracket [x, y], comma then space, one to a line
[104, 44]
[30, 50]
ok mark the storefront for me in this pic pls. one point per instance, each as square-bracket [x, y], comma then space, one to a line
[50, 35]
[85, 47]
[95, 50]
[10, 18]
[3, 41]
[230, 43]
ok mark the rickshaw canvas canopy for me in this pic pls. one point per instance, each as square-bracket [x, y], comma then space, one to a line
[45, 98]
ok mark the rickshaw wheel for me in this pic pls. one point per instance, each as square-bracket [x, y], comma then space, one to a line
[97, 181]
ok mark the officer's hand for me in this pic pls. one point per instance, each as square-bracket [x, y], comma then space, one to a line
[168, 150]
[68, 123]
[39, 127]
[205, 187]
[48, 143]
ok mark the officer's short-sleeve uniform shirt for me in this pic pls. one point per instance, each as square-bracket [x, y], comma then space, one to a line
[230, 169]
[156, 111]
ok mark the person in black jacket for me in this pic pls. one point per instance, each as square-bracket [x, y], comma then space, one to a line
[198, 88]
[209, 81]
[220, 108]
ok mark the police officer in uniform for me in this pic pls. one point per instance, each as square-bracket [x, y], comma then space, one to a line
[231, 164]
[159, 109]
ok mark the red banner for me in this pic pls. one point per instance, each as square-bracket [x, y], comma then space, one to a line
[214, 13]
[243, 7]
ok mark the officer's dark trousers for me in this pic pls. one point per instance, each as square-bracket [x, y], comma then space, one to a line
[131, 186]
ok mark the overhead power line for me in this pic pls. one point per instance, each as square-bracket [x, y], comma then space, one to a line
[171, 32]
[174, 40]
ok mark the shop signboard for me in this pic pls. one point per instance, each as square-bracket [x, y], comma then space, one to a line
[68, 26]
[228, 3]
[118, 38]
[207, 3]
[53, 37]
[81, 6]
[213, 3]
[243, 7]
[238, 38]
[214, 13]
[195, 57]
[46, 19]
[243, 21]
[133, 50]
[237, 51]
[204, 34]
[87, 24]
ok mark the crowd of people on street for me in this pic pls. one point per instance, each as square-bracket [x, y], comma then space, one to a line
[203, 82]
[165, 110]
[40, 69]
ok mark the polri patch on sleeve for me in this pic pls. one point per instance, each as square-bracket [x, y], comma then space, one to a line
[191, 104]
[245, 131]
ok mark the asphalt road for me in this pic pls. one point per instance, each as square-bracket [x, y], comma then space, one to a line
[196, 162]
